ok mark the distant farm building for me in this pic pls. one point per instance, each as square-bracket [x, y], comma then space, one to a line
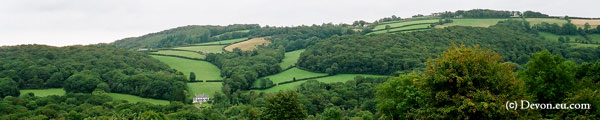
[200, 98]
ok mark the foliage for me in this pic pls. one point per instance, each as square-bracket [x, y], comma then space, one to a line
[549, 77]
[8, 87]
[284, 106]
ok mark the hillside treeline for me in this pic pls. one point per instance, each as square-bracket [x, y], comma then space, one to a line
[185, 35]
[388, 53]
[88, 68]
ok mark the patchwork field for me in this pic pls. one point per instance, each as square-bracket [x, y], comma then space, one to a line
[289, 75]
[249, 44]
[135, 99]
[203, 70]
[180, 53]
[210, 49]
[223, 41]
[381, 27]
[290, 58]
[44, 92]
[208, 88]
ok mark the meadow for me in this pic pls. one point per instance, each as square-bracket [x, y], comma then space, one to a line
[203, 70]
[135, 99]
[180, 53]
[249, 44]
[208, 88]
[210, 49]
[381, 27]
[330, 79]
[222, 42]
[289, 75]
[290, 58]
[581, 22]
[44, 92]
[402, 28]
[534, 21]
[471, 22]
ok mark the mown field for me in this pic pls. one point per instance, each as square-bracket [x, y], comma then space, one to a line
[115, 96]
[223, 41]
[330, 79]
[135, 99]
[44, 92]
[290, 58]
[289, 75]
[210, 49]
[203, 70]
[381, 27]
[249, 44]
[208, 88]
[181, 53]
[581, 22]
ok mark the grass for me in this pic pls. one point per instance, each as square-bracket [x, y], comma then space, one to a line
[472, 22]
[224, 41]
[210, 49]
[44, 92]
[289, 75]
[380, 27]
[402, 28]
[581, 22]
[203, 70]
[135, 99]
[208, 88]
[290, 58]
[249, 44]
[181, 53]
[534, 21]
[330, 79]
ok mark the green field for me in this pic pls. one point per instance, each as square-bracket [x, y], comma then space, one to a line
[210, 49]
[203, 70]
[290, 58]
[135, 99]
[402, 28]
[44, 92]
[381, 27]
[181, 53]
[208, 88]
[224, 41]
[472, 22]
[534, 21]
[330, 79]
[344, 77]
[289, 75]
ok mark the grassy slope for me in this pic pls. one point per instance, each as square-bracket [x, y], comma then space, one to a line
[203, 70]
[44, 92]
[211, 49]
[472, 22]
[289, 75]
[181, 53]
[224, 41]
[290, 58]
[403, 28]
[135, 99]
[534, 21]
[249, 44]
[379, 27]
[115, 96]
[208, 88]
[330, 79]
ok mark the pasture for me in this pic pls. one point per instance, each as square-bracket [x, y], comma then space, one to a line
[223, 42]
[209, 49]
[581, 22]
[181, 53]
[290, 58]
[135, 99]
[471, 22]
[381, 27]
[289, 86]
[249, 44]
[330, 79]
[44, 92]
[203, 70]
[402, 28]
[289, 75]
[208, 88]
[533, 21]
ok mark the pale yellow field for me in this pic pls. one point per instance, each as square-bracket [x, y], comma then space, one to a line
[581, 22]
[249, 44]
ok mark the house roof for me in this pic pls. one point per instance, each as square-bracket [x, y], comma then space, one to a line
[201, 96]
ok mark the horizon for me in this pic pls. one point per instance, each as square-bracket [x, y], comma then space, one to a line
[70, 22]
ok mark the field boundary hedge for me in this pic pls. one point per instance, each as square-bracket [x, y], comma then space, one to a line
[404, 26]
[177, 56]
[197, 81]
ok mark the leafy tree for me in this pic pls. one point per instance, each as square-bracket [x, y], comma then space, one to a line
[82, 82]
[192, 76]
[8, 87]
[549, 77]
[284, 106]
[103, 86]
[399, 97]
[332, 113]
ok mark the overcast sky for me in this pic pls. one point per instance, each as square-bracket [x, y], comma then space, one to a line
[69, 22]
